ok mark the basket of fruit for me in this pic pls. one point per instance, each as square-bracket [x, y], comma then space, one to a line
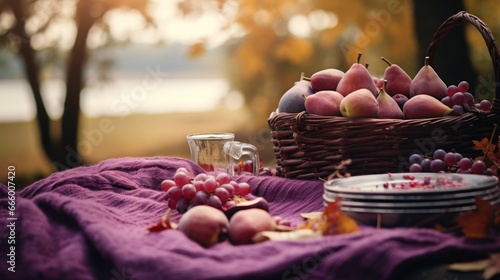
[335, 116]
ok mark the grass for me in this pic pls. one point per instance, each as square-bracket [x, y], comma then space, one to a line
[129, 136]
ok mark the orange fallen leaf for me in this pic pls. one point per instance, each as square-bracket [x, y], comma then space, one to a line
[338, 222]
[484, 145]
[477, 223]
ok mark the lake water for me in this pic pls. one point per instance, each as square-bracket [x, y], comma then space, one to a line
[119, 97]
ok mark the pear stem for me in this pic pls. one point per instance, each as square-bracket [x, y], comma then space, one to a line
[386, 61]
[366, 65]
[303, 77]
[359, 57]
[426, 61]
[304, 96]
[385, 84]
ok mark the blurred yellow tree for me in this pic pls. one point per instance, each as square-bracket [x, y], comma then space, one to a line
[277, 40]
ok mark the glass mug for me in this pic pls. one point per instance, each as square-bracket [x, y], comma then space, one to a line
[217, 152]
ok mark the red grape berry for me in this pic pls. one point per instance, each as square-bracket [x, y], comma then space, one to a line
[452, 89]
[463, 86]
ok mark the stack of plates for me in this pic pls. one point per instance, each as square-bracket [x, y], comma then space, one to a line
[410, 199]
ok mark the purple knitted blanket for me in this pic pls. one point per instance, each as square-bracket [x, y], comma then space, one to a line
[91, 223]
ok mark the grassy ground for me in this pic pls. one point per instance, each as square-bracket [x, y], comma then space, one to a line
[132, 135]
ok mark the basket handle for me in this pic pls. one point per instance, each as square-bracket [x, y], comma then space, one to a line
[457, 19]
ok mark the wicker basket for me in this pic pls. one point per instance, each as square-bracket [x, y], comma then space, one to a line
[309, 146]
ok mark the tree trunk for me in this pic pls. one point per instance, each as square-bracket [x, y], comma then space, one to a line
[32, 72]
[74, 85]
[452, 60]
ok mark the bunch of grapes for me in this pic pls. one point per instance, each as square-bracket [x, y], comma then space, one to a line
[449, 162]
[186, 191]
[461, 101]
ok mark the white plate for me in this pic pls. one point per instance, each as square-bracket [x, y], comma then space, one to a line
[415, 197]
[411, 205]
[374, 184]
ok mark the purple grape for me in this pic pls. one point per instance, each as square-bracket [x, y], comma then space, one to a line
[223, 178]
[485, 105]
[210, 185]
[174, 193]
[222, 194]
[452, 89]
[415, 168]
[243, 189]
[447, 101]
[167, 184]
[415, 158]
[181, 178]
[199, 185]
[458, 98]
[437, 165]
[182, 205]
[468, 98]
[200, 177]
[450, 159]
[439, 154]
[462, 171]
[463, 86]
[172, 204]
[188, 191]
[458, 110]
[200, 198]
[426, 165]
[400, 99]
[458, 156]
[229, 188]
[214, 201]
[478, 167]
[489, 171]
[465, 164]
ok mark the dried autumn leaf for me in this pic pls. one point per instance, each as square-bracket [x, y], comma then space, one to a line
[165, 223]
[475, 224]
[484, 145]
[337, 222]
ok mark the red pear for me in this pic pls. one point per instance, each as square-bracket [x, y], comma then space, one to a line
[388, 107]
[398, 81]
[326, 79]
[357, 77]
[324, 103]
[428, 82]
[424, 106]
[359, 104]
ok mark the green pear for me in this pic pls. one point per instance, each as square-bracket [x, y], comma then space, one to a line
[424, 106]
[360, 103]
[388, 108]
[357, 77]
[428, 82]
[398, 81]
